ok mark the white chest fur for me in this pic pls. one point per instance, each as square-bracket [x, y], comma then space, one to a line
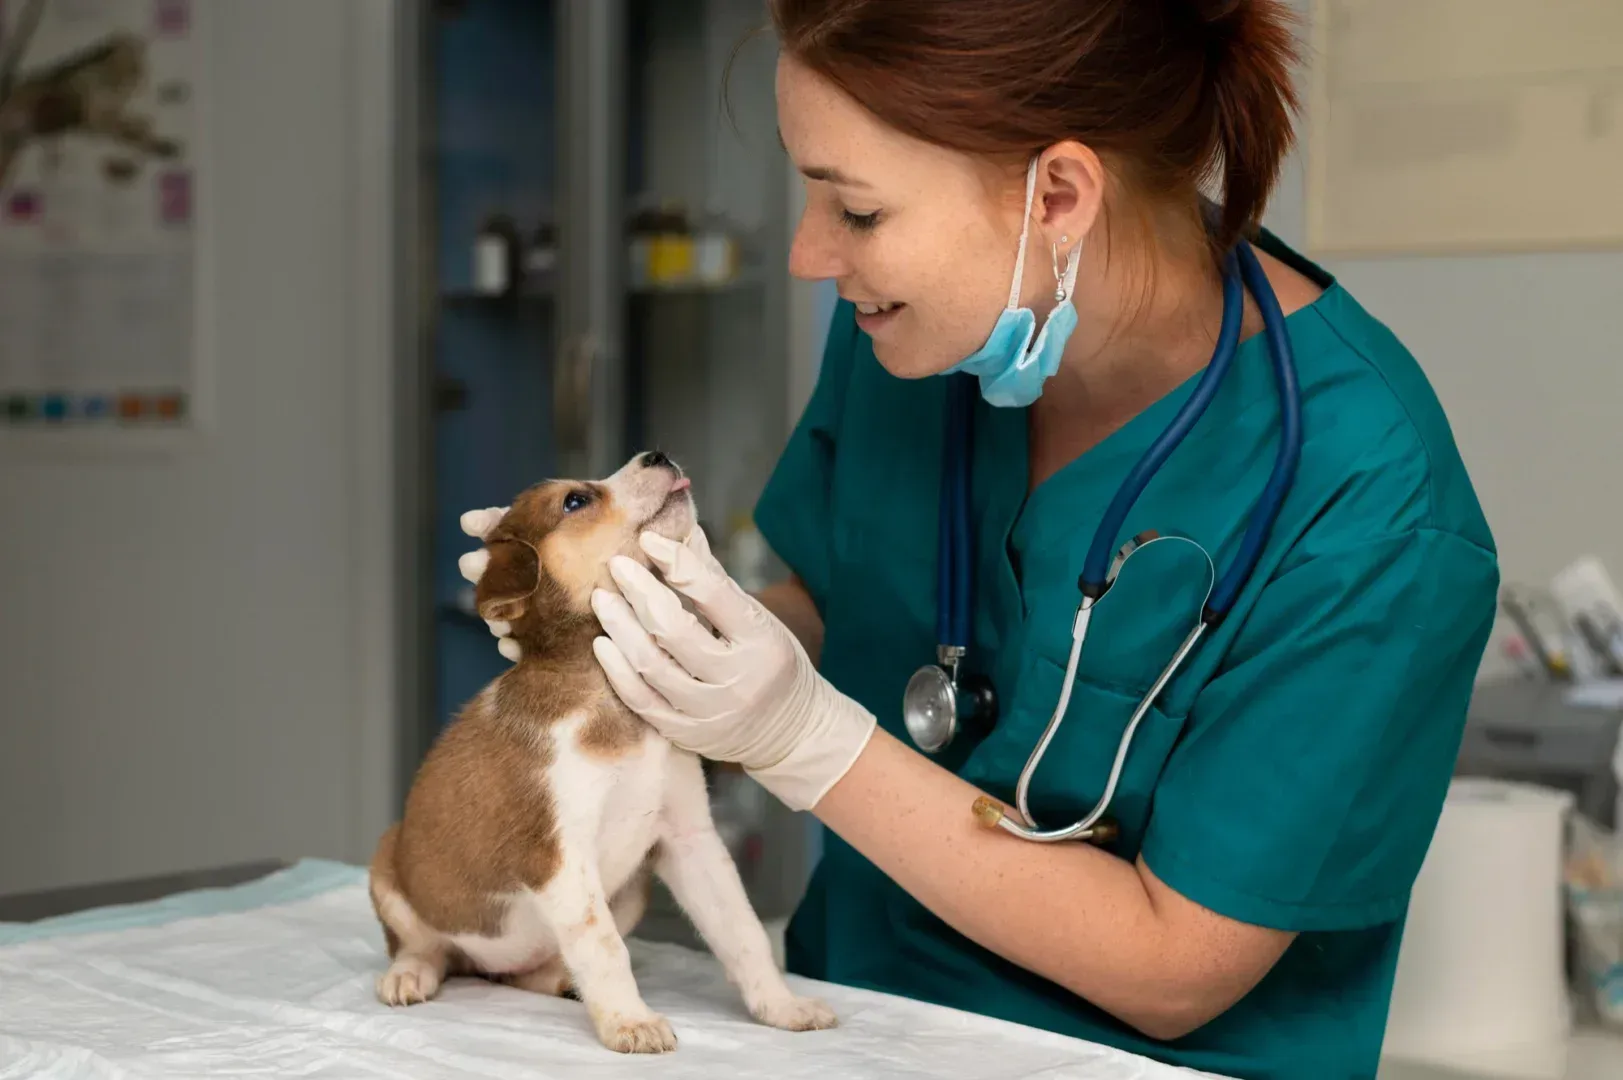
[623, 792]
[609, 807]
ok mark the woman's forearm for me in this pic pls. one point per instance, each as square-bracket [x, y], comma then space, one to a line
[1101, 927]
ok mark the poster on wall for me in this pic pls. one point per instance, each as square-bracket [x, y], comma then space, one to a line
[98, 184]
[1465, 126]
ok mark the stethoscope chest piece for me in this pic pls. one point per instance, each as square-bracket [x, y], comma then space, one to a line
[939, 704]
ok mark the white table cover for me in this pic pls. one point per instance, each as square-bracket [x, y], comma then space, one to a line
[275, 979]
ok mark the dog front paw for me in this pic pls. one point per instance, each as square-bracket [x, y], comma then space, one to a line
[410, 980]
[795, 1014]
[646, 1034]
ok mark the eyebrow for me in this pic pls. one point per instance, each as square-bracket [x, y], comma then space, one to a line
[830, 174]
[825, 172]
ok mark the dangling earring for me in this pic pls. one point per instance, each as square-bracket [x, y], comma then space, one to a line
[1059, 275]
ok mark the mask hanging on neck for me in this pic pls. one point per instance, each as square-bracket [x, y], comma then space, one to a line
[1011, 366]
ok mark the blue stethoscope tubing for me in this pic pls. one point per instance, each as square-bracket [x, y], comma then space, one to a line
[955, 581]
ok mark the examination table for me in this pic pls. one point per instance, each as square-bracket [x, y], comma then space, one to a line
[267, 970]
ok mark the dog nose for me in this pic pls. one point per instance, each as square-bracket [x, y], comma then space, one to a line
[654, 459]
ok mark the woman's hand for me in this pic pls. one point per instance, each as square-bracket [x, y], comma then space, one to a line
[746, 692]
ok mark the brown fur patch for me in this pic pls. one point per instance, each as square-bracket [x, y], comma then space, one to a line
[478, 821]
[612, 728]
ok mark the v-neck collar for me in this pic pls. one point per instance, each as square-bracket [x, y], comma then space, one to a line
[1002, 453]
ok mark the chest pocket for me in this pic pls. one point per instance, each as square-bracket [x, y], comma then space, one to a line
[1135, 631]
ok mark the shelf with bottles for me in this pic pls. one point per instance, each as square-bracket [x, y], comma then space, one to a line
[665, 254]
[667, 251]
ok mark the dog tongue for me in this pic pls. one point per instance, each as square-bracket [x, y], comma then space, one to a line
[682, 483]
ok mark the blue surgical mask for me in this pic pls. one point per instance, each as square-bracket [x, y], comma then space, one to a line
[1011, 366]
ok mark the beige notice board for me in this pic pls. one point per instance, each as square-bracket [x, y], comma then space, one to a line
[1465, 125]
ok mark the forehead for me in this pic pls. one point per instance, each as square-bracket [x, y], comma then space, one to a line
[823, 128]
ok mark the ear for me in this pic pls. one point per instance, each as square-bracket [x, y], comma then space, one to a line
[511, 577]
[1070, 191]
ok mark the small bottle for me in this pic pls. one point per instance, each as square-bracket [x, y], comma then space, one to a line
[671, 260]
[496, 256]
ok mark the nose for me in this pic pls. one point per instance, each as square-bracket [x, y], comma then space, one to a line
[655, 459]
[813, 253]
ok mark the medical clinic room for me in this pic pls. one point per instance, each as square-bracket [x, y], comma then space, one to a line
[811, 538]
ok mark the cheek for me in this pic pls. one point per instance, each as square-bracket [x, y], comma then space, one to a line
[958, 290]
[577, 558]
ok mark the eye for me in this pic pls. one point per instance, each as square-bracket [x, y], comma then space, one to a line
[859, 222]
[575, 500]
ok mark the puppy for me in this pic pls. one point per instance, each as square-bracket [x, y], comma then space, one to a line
[532, 827]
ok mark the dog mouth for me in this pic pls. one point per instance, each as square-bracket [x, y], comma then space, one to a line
[680, 493]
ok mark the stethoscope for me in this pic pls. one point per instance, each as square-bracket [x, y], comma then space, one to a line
[942, 699]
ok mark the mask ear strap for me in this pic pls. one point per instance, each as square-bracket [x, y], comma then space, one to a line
[1025, 229]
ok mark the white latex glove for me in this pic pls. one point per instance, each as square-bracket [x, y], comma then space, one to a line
[477, 524]
[747, 693]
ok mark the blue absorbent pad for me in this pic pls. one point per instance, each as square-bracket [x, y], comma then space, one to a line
[302, 880]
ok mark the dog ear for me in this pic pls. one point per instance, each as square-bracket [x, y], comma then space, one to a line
[510, 578]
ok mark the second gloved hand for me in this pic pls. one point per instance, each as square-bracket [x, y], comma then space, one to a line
[745, 693]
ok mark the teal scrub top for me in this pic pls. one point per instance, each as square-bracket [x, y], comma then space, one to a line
[1290, 776]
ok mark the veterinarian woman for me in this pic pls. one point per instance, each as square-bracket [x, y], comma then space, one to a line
[1239, 909]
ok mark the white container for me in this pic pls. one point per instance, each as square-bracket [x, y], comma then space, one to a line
[490, 259]
[1481, 983]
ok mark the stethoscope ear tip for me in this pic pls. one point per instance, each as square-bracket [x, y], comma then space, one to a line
[988, 811]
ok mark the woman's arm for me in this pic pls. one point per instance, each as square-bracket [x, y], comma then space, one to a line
[1103, 928]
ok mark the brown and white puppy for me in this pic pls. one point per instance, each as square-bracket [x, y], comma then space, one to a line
[533, 824]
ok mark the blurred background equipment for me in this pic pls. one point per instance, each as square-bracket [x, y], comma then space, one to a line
[1513, 952]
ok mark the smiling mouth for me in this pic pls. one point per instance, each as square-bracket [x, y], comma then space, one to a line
[878, 309]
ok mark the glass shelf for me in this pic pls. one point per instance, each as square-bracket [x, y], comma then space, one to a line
[546, 292]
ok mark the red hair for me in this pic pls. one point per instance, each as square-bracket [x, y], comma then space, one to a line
[1170, 93]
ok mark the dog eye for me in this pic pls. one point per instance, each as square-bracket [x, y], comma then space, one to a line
[575, 500]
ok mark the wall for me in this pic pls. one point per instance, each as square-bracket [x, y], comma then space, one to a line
[1523, 352]
[195, 649]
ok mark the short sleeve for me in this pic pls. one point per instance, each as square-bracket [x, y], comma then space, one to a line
[1313, 766]
[794, 513]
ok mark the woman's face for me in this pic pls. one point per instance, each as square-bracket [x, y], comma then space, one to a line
[922, 239]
